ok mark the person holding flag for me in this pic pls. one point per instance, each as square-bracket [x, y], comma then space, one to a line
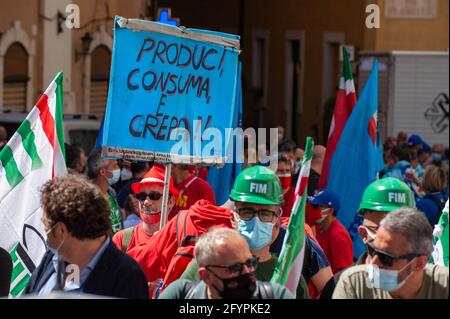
[257, 198]
[288, 270]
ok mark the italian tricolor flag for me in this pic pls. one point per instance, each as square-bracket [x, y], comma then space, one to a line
[33, 155]
[290, 263]
[345, 101]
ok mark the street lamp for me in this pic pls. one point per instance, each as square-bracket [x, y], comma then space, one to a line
[86, 41]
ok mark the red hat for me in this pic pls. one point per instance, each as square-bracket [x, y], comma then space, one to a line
[155, 176]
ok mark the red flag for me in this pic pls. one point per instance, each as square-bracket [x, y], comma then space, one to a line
[345, 101]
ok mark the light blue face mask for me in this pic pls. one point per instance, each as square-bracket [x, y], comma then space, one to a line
[386, 279]
[435, 157]
[257, 233]
[115, 177]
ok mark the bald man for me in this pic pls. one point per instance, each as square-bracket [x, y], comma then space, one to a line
[316, 168]
[226, 270]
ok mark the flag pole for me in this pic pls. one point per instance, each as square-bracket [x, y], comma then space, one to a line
[165, 198]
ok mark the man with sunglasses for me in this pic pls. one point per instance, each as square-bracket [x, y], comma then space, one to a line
[149, 193]
[256, 198]
[379, 199]
[398, 263]
[226, 269]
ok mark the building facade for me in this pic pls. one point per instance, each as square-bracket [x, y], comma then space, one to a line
[290, 49]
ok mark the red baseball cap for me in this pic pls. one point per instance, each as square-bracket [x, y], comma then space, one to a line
[155, 176]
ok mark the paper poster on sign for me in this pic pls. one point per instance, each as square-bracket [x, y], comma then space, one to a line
[171, 94]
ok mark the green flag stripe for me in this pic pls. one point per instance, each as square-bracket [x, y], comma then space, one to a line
[13, 175]
[28, 142]
[17, 289]
[13, 255]
[18, 269]
[346, 70]
[58, 112]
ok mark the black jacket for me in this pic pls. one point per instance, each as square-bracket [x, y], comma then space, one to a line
[115, 275]
[6, 267]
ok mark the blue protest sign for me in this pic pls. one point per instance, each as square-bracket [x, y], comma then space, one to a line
[172, 93]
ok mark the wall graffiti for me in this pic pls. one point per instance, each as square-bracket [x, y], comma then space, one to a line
[437, 114]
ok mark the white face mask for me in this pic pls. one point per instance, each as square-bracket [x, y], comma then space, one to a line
[55, 251]
[125, 174]
[324, 213]
[387, 279]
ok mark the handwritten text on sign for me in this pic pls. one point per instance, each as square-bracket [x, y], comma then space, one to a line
[161, 83]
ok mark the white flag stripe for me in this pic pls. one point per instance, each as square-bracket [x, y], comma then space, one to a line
[349, 87]
[4, 185]
[21, 275]
[21, 157]
[295, 272]
[59, 162]
[342, 83]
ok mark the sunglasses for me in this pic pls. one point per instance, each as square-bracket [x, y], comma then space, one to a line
[373, 229]
[264, 215]
[386, 258]
[152, 195]
[237, 268]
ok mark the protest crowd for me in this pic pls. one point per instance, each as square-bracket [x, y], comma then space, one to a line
[356, 218]
[104, 216]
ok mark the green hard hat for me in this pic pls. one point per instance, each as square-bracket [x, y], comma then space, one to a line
[386, 195]
[257, 185]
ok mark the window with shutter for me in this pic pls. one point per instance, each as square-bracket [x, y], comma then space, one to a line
[15, 78]
[100, 65]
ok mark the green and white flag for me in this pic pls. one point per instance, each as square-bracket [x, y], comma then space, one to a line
[440, 253]
[33, 155]
[290, 263]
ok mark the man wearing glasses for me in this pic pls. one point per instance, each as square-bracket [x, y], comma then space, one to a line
[381, 197]
[226, 269]
[398, 263]
[257, 198]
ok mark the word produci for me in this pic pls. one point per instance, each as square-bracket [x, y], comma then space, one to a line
[181, 56]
